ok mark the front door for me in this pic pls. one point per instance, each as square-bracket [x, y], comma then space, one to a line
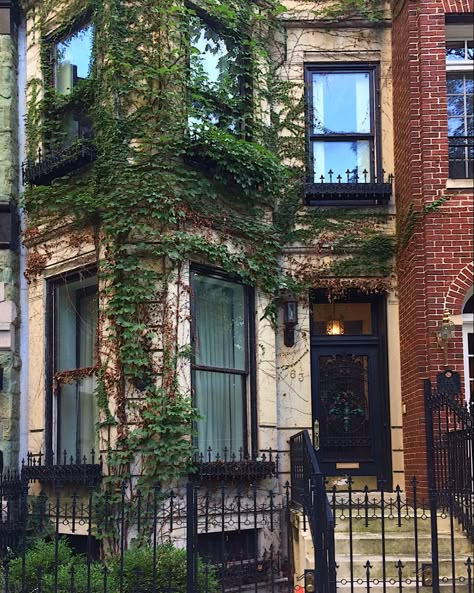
[349, 386]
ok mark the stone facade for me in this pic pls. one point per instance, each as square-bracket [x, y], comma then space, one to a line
[9, 292]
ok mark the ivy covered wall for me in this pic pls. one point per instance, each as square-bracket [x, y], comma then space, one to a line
[187, 168]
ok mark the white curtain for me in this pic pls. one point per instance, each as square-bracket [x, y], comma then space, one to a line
[220, 344]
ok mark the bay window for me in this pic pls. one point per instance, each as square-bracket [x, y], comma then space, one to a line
[218, 74]
[220, 371]
[72, 347]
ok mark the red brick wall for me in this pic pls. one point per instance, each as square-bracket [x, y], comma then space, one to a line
[435, 262]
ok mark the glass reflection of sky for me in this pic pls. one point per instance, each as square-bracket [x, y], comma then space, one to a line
[210, 54]
[77, 50]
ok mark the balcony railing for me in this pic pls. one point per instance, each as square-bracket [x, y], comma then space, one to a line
[230, 466]
[62, 468]
[461, 157]
[52, 165]
[349, 189]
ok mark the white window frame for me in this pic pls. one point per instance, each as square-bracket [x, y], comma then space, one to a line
[457, 32]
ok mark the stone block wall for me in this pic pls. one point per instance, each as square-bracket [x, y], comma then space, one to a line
[9, 182]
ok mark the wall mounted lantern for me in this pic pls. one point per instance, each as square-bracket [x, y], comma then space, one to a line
[444, 333]
[290, 317]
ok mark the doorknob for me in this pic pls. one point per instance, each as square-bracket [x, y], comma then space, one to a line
[316, 435]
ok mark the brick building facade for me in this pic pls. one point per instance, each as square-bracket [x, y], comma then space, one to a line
[432, 75]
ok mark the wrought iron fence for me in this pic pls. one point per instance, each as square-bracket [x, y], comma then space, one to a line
[190, 539]
[384, 542]
[450, 445]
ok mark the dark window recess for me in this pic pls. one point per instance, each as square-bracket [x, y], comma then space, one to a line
[343, 131]
[219, 78]
[8, 226]
[68, 145]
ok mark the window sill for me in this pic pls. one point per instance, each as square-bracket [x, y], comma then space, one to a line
[58, 164]
[459, 183]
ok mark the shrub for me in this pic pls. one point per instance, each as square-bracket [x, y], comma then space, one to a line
[137, 571]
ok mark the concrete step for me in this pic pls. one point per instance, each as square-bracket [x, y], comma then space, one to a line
[374, 524]
[401, 543]
[391, 562]
[446, 587]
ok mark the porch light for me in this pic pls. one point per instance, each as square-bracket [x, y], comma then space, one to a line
[290, 317]
[335, 327]
[445, 333]
[445, 329]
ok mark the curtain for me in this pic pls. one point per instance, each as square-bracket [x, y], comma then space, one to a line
[219, 344]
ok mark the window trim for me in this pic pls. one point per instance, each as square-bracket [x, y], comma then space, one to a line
[52, 424]
[249, 376]
[458, 32]
[373, 69]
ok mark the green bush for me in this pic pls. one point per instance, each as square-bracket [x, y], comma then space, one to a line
[137, 571]
[39, 564]
[170, 571]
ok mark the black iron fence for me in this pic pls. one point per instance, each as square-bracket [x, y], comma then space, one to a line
[450, 445]
[108, 539]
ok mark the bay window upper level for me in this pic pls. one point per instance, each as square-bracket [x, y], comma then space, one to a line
[66, 143]
[344, 164]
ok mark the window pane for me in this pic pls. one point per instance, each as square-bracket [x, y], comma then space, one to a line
[210, 58]
[455, 50]
[219, 323]
[340, 157]
[73, 57]
[219, 397]
[347, 319]
[77, 418]
[454, 84]
[75, 323]
[456, 126]
[341, 103]
[455, 105]
[470, 49]
[470, 344]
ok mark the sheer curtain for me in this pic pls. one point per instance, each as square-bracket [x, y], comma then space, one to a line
[219, 349]
[75, 329]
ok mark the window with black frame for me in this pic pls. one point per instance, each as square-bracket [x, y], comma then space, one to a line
[220, 367]
[74, 312]
[70, 64]
[218, 76]
[342, 123]
[343, 132]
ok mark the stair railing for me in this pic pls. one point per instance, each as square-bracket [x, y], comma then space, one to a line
[309, 493]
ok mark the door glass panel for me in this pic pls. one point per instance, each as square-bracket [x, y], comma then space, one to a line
[349, 319]
[344, 406]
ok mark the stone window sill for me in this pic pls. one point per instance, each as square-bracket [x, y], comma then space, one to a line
[460, 184]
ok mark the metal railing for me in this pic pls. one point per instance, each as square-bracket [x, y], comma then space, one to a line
[118, 538]
[450, 450]
[308, 491]
[349, 187]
